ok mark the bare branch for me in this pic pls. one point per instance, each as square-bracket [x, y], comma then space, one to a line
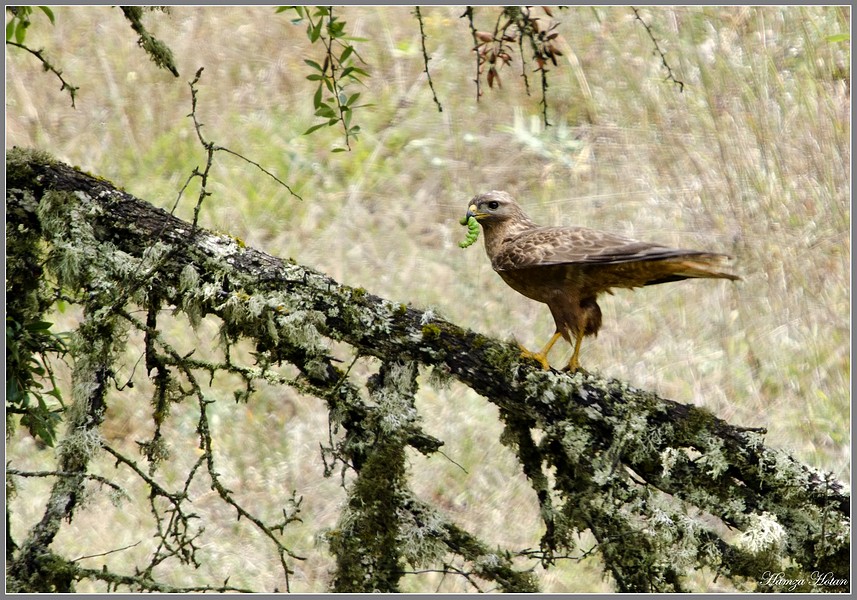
[426, 58]
[658, 51]
[72, 90]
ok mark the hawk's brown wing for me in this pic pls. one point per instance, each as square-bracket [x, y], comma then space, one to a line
[545, 246]
[598, 260]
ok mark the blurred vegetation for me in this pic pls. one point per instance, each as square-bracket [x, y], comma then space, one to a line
[751, 156]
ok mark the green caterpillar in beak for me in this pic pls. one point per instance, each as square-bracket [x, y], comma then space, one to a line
[472, 231]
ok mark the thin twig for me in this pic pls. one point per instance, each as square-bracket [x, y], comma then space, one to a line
[426, 58]
[261, 168]
[79, 558]
[210, 149]
[98, 478]
[469, 14]
[209, 152]
[72, 90]
[670, 76]
[447, 457]
[207, 457]
[448, 569]
[544, 100]
[144, 582]
[337, 86]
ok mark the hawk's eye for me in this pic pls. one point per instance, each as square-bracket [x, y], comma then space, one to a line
[493, 205]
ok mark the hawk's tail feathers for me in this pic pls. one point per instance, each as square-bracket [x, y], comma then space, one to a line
[694, 266]
[704, 265]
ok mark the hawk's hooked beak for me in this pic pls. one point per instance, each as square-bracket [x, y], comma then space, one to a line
[472, 211]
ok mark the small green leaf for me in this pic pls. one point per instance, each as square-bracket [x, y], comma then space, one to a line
[338, 150]
[325, 111]
[10, 29]
[42, 424]
[315, 128]
[13, 391]
[314, 65]
[38, 326]
[21, 31]
[838, 37]
[315, 77]
[346, 53]
[315, 32]
[48, 12]
[316, 99]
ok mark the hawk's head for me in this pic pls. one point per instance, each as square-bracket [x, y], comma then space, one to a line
[496, 208]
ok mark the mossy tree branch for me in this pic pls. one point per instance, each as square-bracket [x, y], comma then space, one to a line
[160, 54]
[625, 464]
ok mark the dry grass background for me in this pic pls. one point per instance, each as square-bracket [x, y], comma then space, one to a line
[751, 159]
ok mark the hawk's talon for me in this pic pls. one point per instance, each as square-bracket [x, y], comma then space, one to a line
[574, 369]
[542, 355]
[540, 358]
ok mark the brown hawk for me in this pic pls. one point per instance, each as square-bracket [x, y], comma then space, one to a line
[568, 267]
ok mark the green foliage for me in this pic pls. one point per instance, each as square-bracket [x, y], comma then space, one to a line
[331, 101]
[16, 33]
[16, 28]
[27, 345]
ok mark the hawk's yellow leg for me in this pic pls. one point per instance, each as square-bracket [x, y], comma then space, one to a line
[573, 365]
[542, 355]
